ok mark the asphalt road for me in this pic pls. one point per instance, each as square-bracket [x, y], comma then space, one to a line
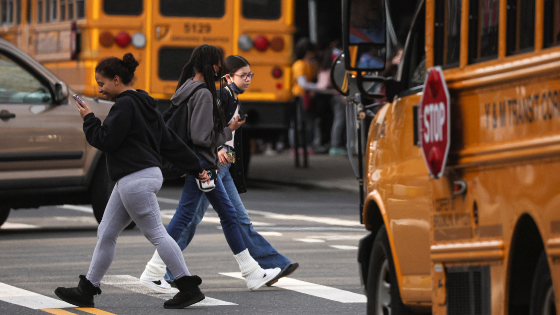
[45, 248]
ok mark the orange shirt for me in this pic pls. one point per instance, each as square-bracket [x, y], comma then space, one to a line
[299, 68]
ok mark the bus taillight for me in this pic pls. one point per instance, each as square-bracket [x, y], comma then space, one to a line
[261, 43]
[277, 43]
[122, 39]
[277, 72]
[106, 39]
[138, 40]
[245, 42]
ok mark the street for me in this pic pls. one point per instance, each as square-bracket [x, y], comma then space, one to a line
[318, 228]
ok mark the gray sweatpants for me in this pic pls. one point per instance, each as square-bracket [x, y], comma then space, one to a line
[134, 198]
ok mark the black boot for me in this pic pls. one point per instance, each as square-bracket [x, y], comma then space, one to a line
[189, 293]
[79, 296]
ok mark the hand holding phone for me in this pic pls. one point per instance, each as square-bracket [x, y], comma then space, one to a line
[78, 99]
[82, 106]
[243, 118]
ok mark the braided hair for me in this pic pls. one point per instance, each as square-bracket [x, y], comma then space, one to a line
[203, 59]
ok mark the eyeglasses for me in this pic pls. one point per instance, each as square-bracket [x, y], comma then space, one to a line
[245, 76]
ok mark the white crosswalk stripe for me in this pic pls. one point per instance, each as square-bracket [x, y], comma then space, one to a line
[29, 299]
[313, 289]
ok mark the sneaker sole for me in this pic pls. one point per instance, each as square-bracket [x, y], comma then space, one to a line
[190, 302]
[60, 296]
[152, 286]
[266, 279]
[282, 275]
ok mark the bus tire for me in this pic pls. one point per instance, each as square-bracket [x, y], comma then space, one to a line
[383, 296]
[4, 213]
[101, 189]
[542, 293]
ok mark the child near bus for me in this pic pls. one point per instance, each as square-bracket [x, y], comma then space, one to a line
[133, 136]
[238, 76]
[206, 131]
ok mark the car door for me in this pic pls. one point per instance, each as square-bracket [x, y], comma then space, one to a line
[39, 139]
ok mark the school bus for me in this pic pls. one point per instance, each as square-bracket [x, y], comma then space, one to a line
[70, 37]
[482, 237]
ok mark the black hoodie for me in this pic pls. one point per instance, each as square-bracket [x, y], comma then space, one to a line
[134, 137]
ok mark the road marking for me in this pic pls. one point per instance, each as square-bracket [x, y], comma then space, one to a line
[17, 226]
[133, 284]
[312, 228]
[346, 247]
[77, 208]
[94, 311]
[271, 233]
[168, 200]
[309, 240]
[313, 289]
[57, 311]
[29, 299]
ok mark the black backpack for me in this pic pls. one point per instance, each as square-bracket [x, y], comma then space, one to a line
[179, 126]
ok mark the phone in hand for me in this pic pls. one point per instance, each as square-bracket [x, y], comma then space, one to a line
[243, 117]
[78, 99]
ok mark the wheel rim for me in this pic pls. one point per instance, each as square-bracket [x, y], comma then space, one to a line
[383, 298]
[549, 305]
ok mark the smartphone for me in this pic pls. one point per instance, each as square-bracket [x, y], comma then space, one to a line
[243, 117]
[78, 99]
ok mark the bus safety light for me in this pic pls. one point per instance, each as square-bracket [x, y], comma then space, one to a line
[245, 42]
[277, 72]
[122, 39]
[106, 39]
[277, 43]
[279, 86]
[261, 43]
[139, 40]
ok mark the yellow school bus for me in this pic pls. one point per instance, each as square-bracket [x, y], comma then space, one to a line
[484, 236]
[70, 37]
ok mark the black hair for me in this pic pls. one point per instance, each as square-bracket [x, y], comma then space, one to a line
[233, 63]
[113, 66]
[326, 61]
[302, 46]
[202, 60]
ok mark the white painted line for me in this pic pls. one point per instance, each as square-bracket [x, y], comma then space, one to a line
[133, 284]
[29, 299]
[313, 289]
[309, 240]
[77, 208]
[17, 226]
[346, 247]
[168, 200]
[271, 233]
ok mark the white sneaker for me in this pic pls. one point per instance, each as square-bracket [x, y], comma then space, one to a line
[257, 279]
[160, 285]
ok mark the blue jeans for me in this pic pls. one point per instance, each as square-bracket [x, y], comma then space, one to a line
[259, 248]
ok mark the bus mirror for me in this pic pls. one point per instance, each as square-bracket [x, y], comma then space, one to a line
[371, 85]
[365, 34]
[60, 92]
[339, 76]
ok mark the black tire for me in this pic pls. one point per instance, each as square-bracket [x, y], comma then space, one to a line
[101, 189]
[542, 293]
[382, 286]
[4, 213]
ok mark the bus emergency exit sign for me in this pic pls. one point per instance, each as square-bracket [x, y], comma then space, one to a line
[433, 124]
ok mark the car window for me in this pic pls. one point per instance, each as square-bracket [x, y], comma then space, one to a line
[18, 86]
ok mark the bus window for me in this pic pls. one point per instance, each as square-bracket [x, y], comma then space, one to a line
[18, 12]
[414, 67]
[39, 11]
[520, 26]
[551, 25]
[262, 9]
[123, 7]
[53, 6]
[62, 10]
[447, 33]
[194, 8]
[81, 9]
[28, 11]
[483, 30]
[172, 60]
[70, 9]
[47, 11]
[7, 7]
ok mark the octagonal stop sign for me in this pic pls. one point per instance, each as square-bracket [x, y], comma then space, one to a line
[433, 124]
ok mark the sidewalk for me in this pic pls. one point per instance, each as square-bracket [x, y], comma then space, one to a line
[324, 171]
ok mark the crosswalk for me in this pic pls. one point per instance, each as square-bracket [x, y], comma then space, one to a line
[28, 299]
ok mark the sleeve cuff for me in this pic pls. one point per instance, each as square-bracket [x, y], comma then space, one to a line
[88, 116]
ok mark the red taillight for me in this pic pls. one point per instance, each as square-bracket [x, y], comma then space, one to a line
[279, 86]
[123, 39]
[106, 39]
[261, 43]
[277, 43]
[277, 72]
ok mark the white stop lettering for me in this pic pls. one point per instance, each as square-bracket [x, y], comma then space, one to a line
[434, 118]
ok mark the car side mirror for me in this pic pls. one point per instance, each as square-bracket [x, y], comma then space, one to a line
[340, 76]
[60, 92]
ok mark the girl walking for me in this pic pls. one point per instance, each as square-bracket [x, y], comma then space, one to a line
[133, 136]
[206, 131]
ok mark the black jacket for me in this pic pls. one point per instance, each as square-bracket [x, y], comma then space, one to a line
[134, 137]
[229, 104]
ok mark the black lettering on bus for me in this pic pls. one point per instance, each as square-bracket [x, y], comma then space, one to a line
[512, 106]
[487, 109]
[494, 116]
[555, 112]
[529, 109]
[502, 113]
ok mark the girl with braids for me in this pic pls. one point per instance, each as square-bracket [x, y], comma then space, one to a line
[133, 137]
[206, 131]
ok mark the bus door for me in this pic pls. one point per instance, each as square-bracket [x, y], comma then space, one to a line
[177, 28]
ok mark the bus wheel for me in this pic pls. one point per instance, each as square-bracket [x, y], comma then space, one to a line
[101, 189]
[382, 286]
[4, 213]
[542, 294]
